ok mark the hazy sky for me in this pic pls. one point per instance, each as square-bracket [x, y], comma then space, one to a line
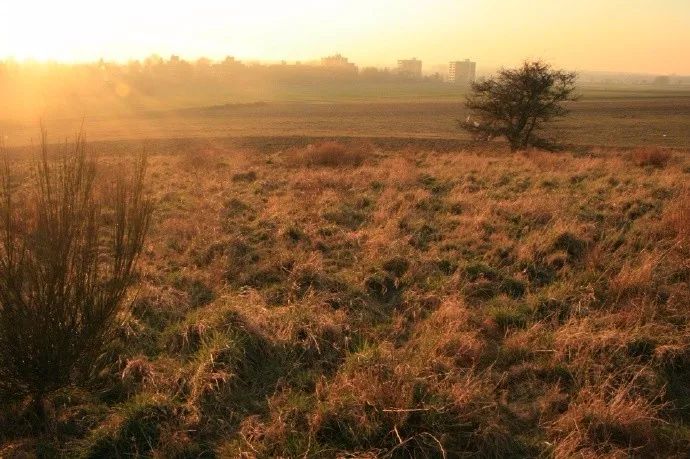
[618, 35]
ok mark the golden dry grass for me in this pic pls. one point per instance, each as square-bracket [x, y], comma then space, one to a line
[410, 303]
[650, 156]
[330, 154]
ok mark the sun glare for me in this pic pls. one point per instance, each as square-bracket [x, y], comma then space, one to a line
[369, 32]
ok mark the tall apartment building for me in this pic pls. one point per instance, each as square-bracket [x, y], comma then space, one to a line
[462, 72]
[410, 68]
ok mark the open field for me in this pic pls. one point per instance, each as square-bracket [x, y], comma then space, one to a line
[604, 116]
[362, 229]
[396, 302]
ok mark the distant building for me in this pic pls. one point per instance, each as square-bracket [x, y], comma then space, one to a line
[230, 60]
[338, 61]
[410, 68]
[462, 72]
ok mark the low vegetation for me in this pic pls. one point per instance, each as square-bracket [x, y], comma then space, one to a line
[652, 157]
[409, 303]
[330, 154]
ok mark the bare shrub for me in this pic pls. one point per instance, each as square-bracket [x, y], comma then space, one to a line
[331, 154]
[67, 257]
[650, 156]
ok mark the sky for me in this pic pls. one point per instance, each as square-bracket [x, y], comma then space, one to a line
[646, 36]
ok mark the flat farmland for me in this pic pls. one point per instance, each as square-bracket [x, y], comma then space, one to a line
[601, 117]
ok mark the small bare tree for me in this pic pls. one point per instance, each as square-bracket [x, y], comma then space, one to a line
[517, 103]
[68, 250]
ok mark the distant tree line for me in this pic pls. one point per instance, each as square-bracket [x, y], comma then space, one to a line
[179, 69]
[44, 86]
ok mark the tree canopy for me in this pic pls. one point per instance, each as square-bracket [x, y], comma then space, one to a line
[517, 103]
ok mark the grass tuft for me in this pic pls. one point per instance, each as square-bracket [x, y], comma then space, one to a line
[651, 157]
[330, 154]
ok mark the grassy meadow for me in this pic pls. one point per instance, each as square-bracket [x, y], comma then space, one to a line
[363, 299]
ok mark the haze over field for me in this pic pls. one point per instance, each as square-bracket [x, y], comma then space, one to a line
[640, 36]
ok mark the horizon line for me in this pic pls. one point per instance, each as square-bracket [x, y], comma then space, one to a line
[311, 61]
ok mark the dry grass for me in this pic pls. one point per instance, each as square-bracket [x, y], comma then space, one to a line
[203, 158]
[677, 217]
[331, 154]
[650, 156]
[607, 422]
[407, 304]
